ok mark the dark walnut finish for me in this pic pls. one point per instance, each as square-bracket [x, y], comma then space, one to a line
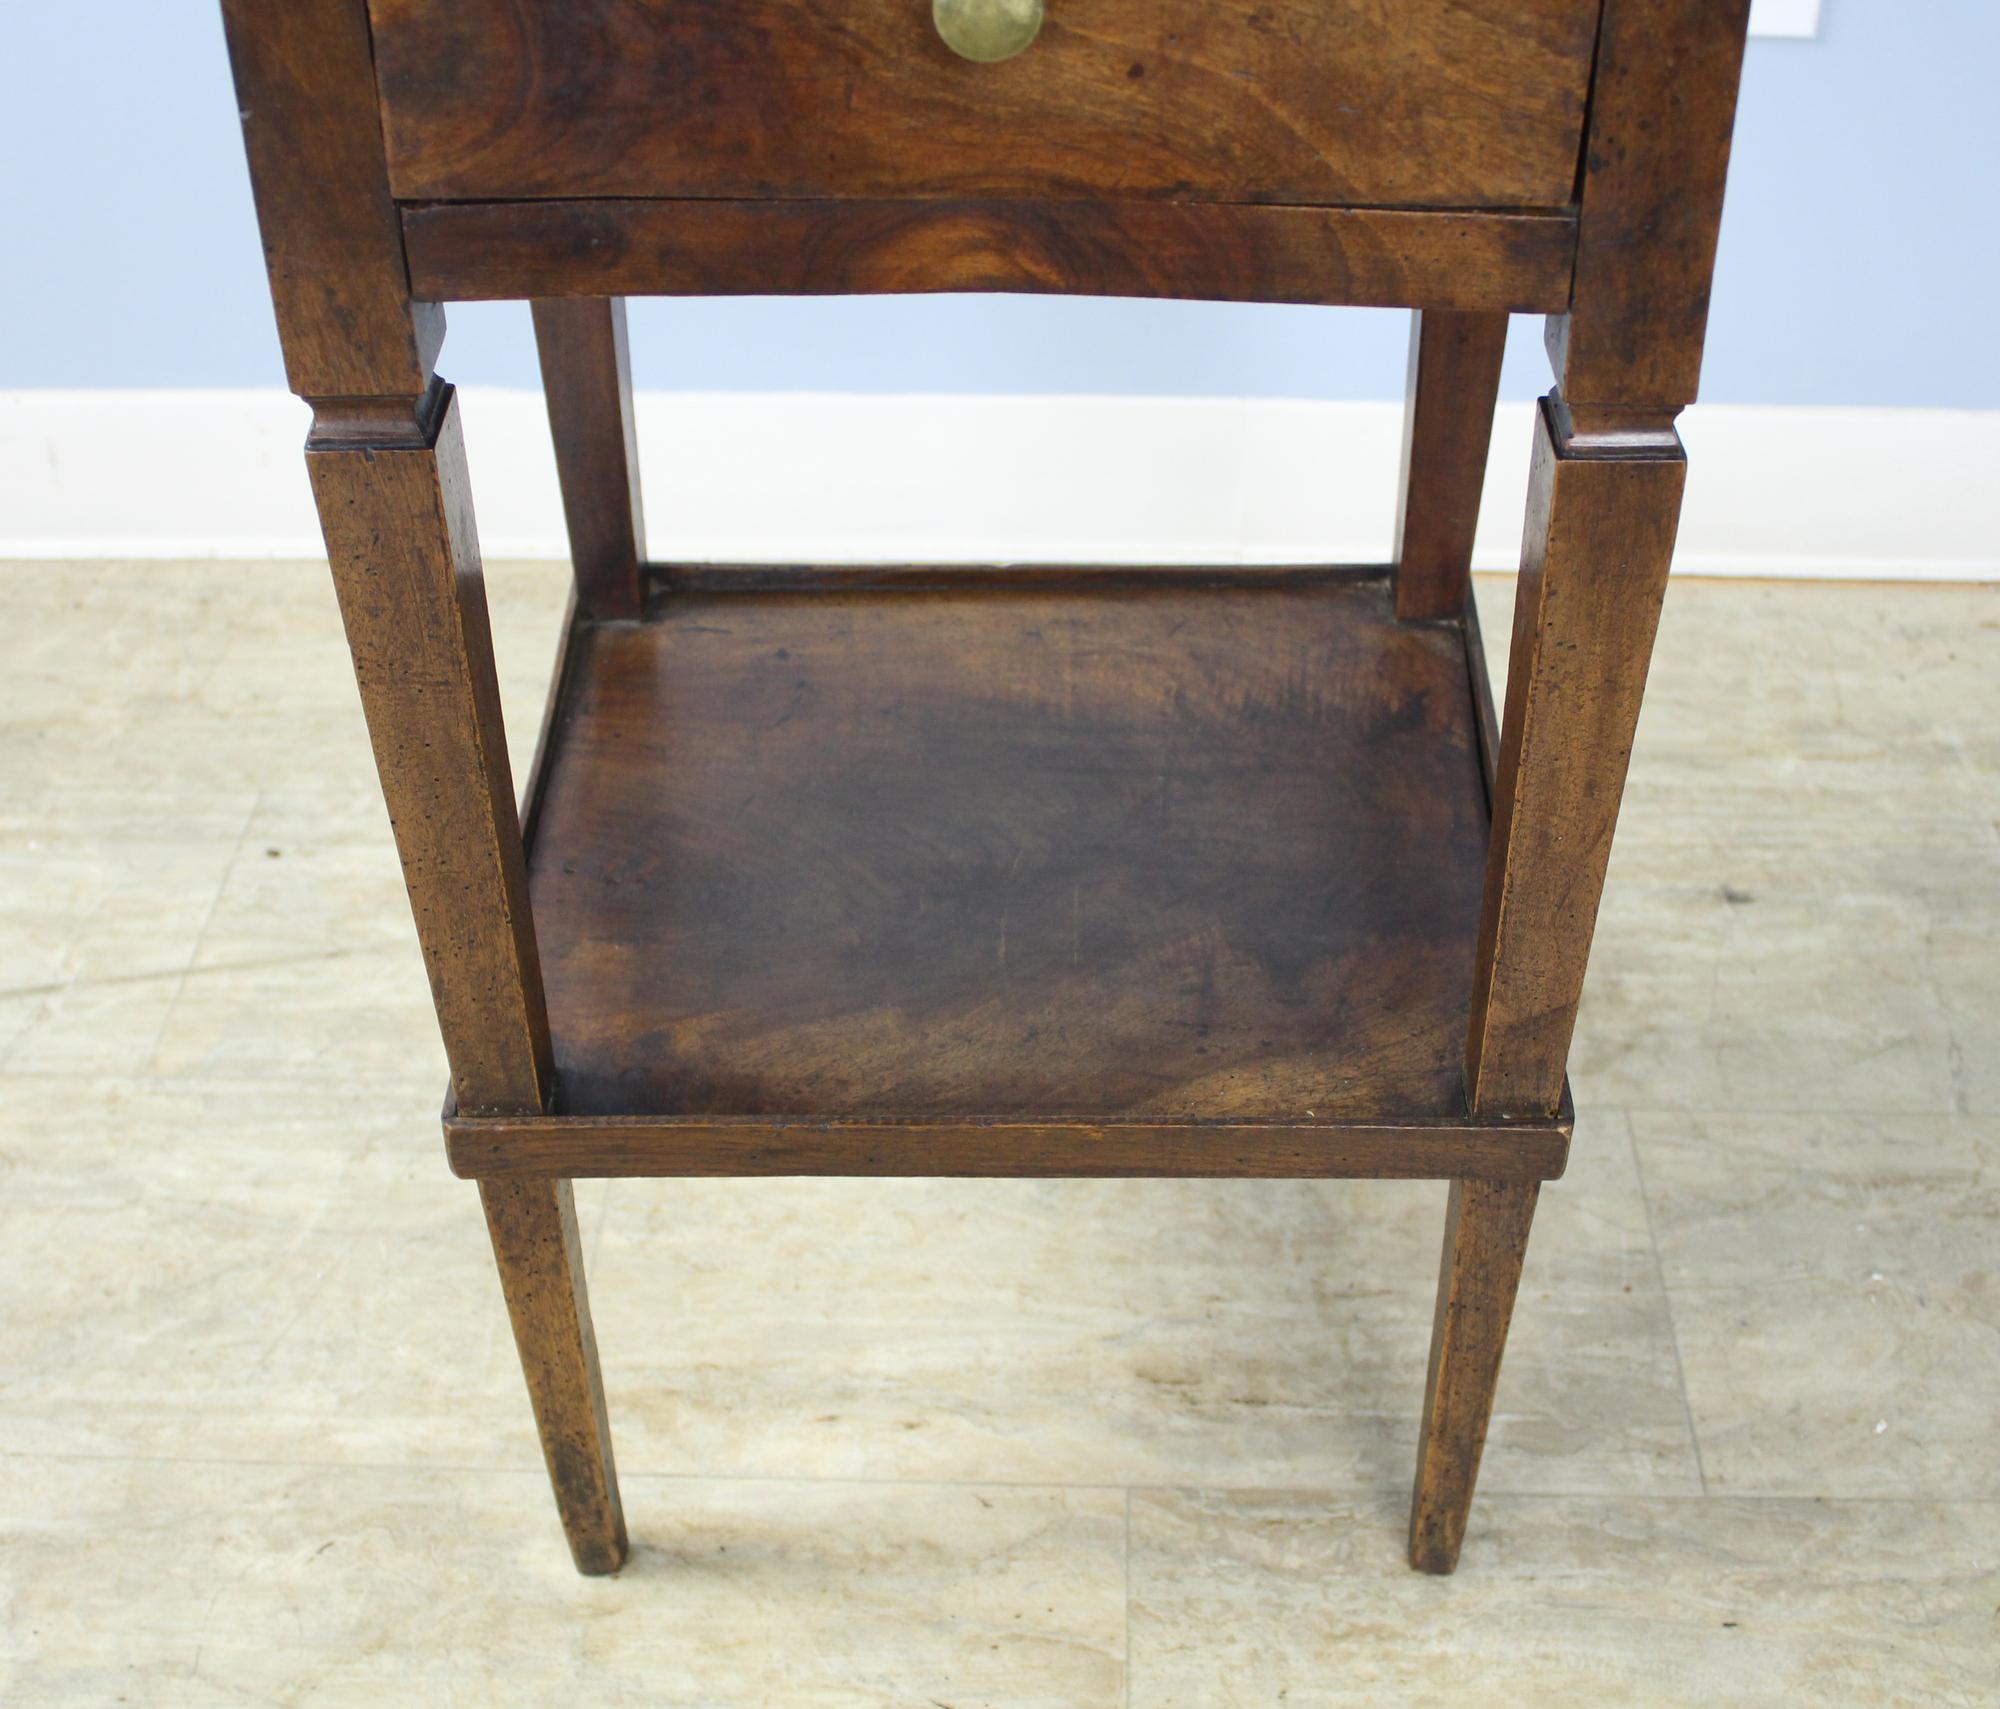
[1424, 103]
[532, 1223]
[1453, 385]
[398, 526]
[1410, 1148]
[1194, 852]
[1662, 110]
[1600, 535]
[1350, 257]
[1485, 1240]
[587, 377]
[332, 247]
[1056, 872]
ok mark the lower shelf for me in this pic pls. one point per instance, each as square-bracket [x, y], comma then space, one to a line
[1171, 869]
[480, 1146]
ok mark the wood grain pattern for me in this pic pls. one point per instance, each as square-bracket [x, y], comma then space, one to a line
[1486, 720]
[535, 1244]
[587, 379]
[1600, 536]
[1381, 257]
[405, 556]
[1454, 382]
[1447, 103]
[305, 86]
[1662, 110]
[1035, 853]
[887, 873]
[491, 1147]
[1485, 1240]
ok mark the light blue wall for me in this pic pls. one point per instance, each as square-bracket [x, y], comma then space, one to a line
[1858, 266]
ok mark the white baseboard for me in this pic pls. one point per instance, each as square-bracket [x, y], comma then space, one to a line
[777, 477]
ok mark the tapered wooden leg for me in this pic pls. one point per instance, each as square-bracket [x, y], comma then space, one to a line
[1602, 510]
[389, 475]
[395, 505]
[1485, 1239]
[587, 378]
[533, 1224]
[1447, 426]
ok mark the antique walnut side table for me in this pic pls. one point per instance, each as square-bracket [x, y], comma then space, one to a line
[1009, 872]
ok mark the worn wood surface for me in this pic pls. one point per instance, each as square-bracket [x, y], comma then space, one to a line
[399, 532]
[1360, 256]
[1438, 103]
[1485, 1240]
[1661, 113]
[1439, 1149]
[1142, 877]
[587, 379]
[1033, 852]
[1454, 382]
[535, 1244]
[1600, 535]
[1485, 717]
[558, 683]
[305, 87]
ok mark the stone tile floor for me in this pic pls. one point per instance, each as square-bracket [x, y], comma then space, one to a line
[263, 1439]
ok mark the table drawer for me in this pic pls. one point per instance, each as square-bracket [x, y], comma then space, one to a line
[1419, 103]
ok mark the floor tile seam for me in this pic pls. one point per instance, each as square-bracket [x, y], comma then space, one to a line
[1667, 1304]
[155, 976]
[208, 920]
[1302, 1491]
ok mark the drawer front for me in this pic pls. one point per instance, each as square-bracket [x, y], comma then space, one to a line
[1418, 103]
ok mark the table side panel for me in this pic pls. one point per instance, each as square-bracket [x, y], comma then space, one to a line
[1379, 257]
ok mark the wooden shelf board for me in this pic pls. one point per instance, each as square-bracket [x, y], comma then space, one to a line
[840, 871]
[487, 1146]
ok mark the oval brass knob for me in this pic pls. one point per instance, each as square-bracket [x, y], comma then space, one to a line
[987, 31]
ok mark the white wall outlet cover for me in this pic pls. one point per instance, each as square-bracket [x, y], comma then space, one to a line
[1796, 18]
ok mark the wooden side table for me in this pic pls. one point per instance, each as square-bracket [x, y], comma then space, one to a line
[1027, 872]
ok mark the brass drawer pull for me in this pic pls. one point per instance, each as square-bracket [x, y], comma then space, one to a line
[987, 31]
